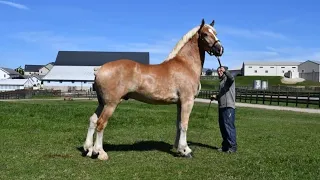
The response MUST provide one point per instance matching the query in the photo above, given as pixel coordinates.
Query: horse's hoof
(94, 154)
(189, 155)
(84, 153)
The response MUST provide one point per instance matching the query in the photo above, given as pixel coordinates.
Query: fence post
(271, 97)
(240, 94)
(319, 99)
(245, 98)
(257, 97)
(278, 97)
(287, 98)
(308, 99)
(297, 95)
(251, 95)
(263, 97)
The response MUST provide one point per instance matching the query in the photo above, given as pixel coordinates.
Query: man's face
(220, 72)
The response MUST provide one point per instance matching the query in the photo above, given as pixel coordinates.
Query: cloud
(158, 49)
(235, 58)
(248, 33)
(15, 5)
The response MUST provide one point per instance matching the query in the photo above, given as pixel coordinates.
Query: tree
(208, 72)
(20, 70)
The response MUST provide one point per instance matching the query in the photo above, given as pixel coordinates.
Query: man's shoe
(222, 149)
(226, 150)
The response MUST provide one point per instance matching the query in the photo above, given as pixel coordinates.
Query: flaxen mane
(182, 42)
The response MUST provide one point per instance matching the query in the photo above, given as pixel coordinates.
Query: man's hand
(222, 69)
(213, 97)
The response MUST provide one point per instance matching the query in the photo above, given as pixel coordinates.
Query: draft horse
(174, 81)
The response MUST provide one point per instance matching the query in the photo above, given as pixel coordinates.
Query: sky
(33, 31)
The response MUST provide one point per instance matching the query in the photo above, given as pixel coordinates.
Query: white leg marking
(88, 145)
(98, 147)
(185, 114)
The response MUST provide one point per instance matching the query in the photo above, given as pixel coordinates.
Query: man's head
(220, 71)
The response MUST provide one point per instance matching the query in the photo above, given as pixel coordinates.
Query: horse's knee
(100, 124)
(93, 120)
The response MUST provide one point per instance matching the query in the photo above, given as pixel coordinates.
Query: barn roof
(10, 71)
(32, 68)
(97, 58)
(69, 73)
(272, 63)
(13, 81)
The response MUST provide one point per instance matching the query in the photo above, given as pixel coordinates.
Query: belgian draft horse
(174, 81)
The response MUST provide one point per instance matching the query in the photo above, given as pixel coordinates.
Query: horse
(174, 81)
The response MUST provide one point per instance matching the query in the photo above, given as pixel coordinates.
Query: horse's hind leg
(88, 145)
(101, 124)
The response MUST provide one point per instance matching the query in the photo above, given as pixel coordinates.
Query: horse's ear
(212, 23)
(202, 24)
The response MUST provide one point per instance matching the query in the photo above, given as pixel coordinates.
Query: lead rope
(206, 117)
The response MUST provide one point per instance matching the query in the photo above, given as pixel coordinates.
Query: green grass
(40, 140)
(207, 84)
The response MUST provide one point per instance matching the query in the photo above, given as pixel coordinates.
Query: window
(250, 66)
(260, 67)
(293, 67)
(266, 71)
(4, 75)
(282, 67)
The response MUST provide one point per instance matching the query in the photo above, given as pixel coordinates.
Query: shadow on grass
(147, 146)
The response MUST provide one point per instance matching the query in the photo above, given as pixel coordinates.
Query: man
(226, 103)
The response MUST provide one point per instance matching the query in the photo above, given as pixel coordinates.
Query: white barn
(14, 84)
(7, 73)
(267, 68)
(74, 70)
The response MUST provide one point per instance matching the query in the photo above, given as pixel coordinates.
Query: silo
(256, 84)
(264, 85)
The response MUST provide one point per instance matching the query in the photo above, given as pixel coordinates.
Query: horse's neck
(193, 55)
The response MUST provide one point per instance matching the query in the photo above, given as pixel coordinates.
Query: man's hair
(225, 67)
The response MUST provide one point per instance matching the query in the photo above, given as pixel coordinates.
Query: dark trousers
(227, 128)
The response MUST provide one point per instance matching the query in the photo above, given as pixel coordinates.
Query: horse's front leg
(178, 126)
(186, 108)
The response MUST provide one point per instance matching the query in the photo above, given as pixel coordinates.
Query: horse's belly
(155, 98)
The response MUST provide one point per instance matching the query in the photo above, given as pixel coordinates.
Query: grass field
(41, 140)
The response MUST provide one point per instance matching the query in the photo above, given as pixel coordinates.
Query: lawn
(207, 84)
(41, 140)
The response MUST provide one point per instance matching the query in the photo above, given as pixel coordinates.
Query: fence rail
(269, 97)
(246, 95)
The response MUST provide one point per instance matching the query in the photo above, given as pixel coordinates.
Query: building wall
(309, 71)
(67, 85)
(15, 84)
(263, 70)
(3, 75)
(43, 71)
(10, 87)
(30, 73)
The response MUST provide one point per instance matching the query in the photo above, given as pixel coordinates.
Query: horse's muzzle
(216, 50)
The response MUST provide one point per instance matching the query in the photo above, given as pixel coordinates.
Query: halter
(210, 52)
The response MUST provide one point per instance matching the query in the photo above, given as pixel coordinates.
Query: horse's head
(208, 39)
